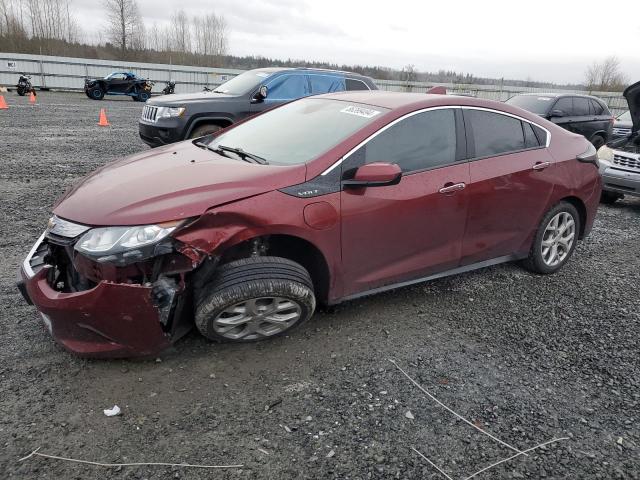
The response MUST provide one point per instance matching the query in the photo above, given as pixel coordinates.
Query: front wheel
(597, 141)
(202, 130)
(21, 91)
(254, 299)
(96, 93)
(555, 239)
(142, 96)
(609, 198)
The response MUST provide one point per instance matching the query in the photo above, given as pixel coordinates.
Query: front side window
(353, 84)
(421, 141)
(326, 84)
(244, 83)
(565, 105)
(300, 131)
(494, 134)
(288, 87)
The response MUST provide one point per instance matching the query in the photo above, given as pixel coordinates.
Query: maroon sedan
(319, 201)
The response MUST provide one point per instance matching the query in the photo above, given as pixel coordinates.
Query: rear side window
(530, 139)
(356, 85)
(425, 140)
(566, 105)
(289, 87)
(326, 84)
(580, 106)
(494, 134)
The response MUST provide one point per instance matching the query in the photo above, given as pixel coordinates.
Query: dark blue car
(172, 118)
(119, 83)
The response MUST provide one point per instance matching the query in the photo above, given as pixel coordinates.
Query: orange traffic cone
(103, 118)
(32, 98)
(3, 104)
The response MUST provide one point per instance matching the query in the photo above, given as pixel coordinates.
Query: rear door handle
(452, 187)
(541, 165)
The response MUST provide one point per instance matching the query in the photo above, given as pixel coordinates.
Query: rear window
(533, 103)
(495, 134)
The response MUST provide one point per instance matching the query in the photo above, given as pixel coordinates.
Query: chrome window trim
(423, 110)
(26, 266)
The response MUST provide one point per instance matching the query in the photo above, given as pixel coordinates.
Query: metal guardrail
(67, 73)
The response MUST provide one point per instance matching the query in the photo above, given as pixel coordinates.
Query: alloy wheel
(257, 318)
(558, 238)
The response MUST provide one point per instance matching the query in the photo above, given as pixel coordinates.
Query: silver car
(620, 158)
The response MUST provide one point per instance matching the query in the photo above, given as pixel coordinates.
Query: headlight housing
(169, 112)
(124, 245)
(606, 154)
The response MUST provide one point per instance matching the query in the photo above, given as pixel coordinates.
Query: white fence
(66, 73)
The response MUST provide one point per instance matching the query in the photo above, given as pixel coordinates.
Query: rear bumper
(621, 181)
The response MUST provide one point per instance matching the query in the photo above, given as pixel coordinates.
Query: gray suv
(620, 159)
(172, 118)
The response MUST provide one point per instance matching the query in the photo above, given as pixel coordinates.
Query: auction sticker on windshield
(360, 111)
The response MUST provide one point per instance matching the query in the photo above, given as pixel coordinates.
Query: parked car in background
(620, 159)
(119, 83)
(171, 119)
(321, 200)
(583, 114)
(622, 125)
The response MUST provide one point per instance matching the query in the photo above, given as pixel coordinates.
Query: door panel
(404, 231)
(507, 199)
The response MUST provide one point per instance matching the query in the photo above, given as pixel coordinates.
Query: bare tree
(210, 35)
(605, 76)
(123, 23)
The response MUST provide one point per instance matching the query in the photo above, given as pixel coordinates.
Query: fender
(194, 122)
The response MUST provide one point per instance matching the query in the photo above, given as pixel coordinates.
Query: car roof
(555, 95)
(308, 69)
(398, 100)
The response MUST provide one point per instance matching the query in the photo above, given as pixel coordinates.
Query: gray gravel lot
(527, 357)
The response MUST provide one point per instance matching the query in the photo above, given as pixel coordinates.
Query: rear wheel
(555, 239)
(609, 198)
(21, 91)
(253, 299)
(96, 93)
(142, 96)
(206, 129)
(598, 141)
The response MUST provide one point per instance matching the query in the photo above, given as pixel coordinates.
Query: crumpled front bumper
(110, 320)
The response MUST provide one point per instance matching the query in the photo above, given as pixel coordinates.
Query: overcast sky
(542, 40)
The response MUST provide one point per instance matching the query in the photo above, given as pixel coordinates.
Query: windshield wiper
(246, 156)
(221, 149)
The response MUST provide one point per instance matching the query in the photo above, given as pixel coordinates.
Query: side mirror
(375, 175)
(261, 94)
(556, 112)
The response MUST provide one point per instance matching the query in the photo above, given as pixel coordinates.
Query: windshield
(299, 131)
(533, 103)
(625, 117)
(244, 83)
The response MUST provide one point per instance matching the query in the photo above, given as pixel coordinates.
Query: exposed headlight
(605, 153)
(123, 245)
(168, 112)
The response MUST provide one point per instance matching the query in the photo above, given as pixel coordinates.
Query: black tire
(206, 129)
(21, 91)
(254, 279)
(535, 261)
(141, 97)
(597, 141)
(609, 198)
(95, 93)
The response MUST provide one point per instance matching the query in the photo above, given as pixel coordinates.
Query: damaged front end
(112, 291)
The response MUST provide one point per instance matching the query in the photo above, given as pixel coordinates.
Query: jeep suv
(242, 233)
(583, 114)
(172, 118)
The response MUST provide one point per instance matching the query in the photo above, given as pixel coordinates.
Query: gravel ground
(529, 358)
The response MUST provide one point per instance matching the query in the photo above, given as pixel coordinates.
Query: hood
(632, 94)
(168, 183)
(182, 98)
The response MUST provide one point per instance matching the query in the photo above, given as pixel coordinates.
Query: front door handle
(452, 187)
(541, 165)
